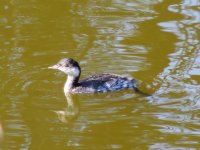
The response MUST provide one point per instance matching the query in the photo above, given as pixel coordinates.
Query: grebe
(94, 84)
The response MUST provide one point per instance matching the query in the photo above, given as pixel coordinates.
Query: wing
(104, 83)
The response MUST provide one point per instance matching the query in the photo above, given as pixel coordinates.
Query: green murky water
(156, 41)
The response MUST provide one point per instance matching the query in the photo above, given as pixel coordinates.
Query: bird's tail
(140, 92)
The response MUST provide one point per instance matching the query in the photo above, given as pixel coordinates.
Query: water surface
(156, 42)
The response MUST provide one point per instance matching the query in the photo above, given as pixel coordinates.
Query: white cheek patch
(70, 71)
(74, 72)
(63, 69)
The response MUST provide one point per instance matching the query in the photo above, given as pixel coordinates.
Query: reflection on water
(70, 112)
(183, 61)
(114, 24)
(155, 41)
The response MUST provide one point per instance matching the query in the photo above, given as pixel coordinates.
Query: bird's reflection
(71, 111)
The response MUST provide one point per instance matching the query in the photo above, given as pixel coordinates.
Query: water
(157, 42)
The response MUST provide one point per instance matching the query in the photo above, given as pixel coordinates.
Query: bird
(100, 83)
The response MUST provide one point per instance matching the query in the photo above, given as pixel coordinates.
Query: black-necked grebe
(93, 84)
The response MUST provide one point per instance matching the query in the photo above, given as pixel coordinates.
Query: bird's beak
(54, 67)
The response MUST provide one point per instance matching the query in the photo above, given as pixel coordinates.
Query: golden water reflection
(1, 133)
(157, 42)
